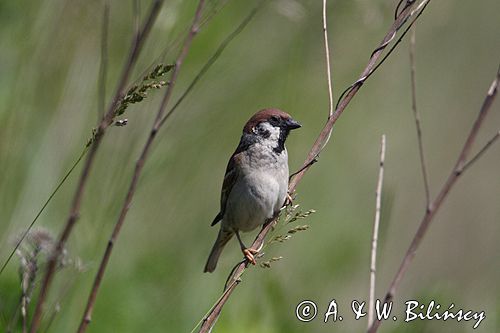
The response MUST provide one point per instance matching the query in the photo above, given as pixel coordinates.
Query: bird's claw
(249, 254)
(288, 199)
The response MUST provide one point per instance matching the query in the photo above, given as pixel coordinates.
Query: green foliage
(291, 214)
(48, 102)
(137, 93)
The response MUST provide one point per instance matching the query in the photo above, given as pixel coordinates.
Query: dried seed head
(37, 240)
(267, 264)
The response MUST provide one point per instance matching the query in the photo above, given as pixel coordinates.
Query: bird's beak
(292, 124)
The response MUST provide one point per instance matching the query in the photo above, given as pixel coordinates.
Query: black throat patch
(281, 140)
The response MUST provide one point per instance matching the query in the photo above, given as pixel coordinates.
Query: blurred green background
(49, 63)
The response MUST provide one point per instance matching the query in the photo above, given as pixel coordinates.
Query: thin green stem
(30, 226)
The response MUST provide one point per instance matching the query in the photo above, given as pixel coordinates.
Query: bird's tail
(222, 239)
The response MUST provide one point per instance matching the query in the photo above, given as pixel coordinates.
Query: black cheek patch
(265, 134)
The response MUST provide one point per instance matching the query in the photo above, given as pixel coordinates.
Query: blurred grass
(48, 105)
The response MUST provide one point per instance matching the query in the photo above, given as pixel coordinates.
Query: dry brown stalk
(137, 43)
(416, 116)
(460, 166)
(404, 15)
(87, 316)
(376, 223)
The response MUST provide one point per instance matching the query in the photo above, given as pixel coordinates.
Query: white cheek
(274, 134)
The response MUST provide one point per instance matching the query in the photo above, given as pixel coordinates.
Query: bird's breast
(259, 192)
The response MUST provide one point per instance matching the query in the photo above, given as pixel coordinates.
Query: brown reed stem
(376, 223)
(405, 14)
(137, 43)
(87, 316)
(416, 116)
(433, 208)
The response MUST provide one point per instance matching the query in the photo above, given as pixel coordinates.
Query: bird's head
(271, 126)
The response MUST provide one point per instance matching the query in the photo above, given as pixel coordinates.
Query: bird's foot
(288, 199)
(249, 254)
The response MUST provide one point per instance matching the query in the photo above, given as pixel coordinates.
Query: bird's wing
(232, 173)
(229, 181)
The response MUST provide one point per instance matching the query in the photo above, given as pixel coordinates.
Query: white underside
(260, 190)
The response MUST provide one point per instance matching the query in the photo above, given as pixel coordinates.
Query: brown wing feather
(229, 180)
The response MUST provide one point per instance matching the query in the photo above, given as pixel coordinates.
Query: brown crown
(264, 115)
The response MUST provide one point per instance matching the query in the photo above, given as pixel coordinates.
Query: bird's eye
(274, 119)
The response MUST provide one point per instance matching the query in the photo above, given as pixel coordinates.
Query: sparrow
(255, 185)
